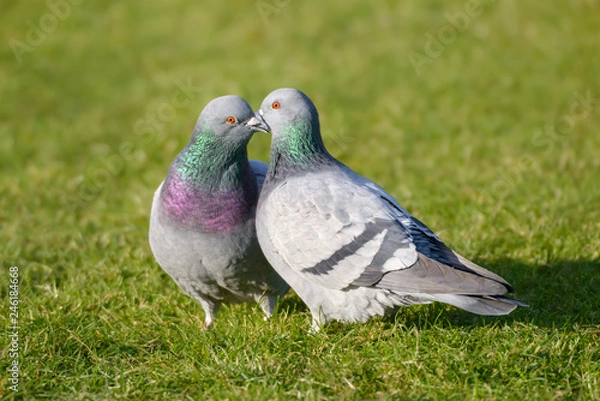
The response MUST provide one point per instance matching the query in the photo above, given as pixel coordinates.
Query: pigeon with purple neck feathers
(346, 246)
(202, 230)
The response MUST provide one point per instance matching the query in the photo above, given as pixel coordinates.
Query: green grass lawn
(481, 117)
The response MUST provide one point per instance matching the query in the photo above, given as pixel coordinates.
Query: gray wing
(427, 242)
(260, 172)
(339, 233)
(328, 230)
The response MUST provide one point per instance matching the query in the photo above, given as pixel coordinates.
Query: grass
(95, 109)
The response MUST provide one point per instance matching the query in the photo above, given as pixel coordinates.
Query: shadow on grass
(560, 294)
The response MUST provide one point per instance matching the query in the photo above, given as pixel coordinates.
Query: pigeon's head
(231, 119)
(287, 109)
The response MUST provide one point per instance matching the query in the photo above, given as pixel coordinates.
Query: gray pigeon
(346, 246)
(202, 229)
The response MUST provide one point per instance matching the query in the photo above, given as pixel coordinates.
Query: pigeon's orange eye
(275, 105)
(231, 120)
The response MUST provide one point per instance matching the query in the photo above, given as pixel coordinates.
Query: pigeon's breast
(211, 212)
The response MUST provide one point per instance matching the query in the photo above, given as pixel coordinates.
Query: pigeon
(202, 230)
(346, 246)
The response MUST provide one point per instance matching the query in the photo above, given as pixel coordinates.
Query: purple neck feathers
(210, 209)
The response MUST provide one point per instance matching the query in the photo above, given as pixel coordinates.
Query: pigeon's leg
(267, 304)
(315, 327)
(210, 306)
(318, 320)
(210, 311)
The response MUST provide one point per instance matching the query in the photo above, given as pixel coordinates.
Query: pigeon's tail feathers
(480, 305)
(483, 272)
(471, 291)
(429, 276)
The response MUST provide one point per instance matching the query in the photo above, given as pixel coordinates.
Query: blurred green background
(481, 117)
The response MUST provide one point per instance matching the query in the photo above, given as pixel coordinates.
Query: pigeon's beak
(258, 123)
